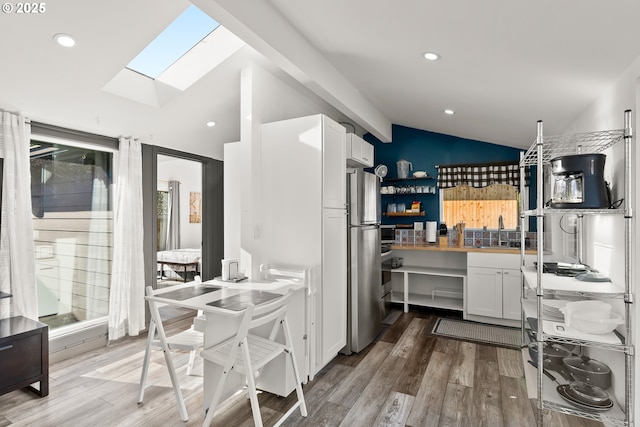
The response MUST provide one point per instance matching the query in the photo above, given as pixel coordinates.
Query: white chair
(247, 353)
(189, 340)
(301, 276)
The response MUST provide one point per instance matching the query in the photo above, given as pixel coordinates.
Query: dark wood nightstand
(24, 355)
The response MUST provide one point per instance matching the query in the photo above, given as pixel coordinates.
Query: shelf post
(628, 230)
(522, 242)
(540, 240)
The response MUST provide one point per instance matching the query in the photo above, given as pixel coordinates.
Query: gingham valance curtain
(480, 175)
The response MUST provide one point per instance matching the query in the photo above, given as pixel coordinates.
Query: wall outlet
(257, 231)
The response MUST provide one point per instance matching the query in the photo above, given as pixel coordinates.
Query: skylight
(185, 32)
(187, 50)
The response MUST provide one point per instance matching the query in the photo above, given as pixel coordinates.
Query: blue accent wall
(425, 150)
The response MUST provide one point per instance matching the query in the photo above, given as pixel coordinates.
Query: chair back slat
(296, 274)
(270, 311)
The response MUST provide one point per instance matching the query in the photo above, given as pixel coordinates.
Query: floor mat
(478, 332)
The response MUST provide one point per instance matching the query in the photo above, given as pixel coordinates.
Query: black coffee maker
(577, 182)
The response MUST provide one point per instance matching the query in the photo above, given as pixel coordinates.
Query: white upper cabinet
(359, 152)
(334, 176)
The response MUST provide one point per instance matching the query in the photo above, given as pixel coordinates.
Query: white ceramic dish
(419, 174)
(587, 323)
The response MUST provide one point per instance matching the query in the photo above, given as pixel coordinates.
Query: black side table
(24, 355)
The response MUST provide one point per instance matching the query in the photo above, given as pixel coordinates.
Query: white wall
(264, 99)
(605, 235)
(189, 174)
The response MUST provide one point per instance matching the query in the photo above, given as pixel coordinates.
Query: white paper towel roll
(431, 231)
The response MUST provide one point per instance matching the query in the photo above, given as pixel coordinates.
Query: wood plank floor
(406, 378)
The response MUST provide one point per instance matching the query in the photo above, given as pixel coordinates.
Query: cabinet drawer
(492, 260)
(20, 359)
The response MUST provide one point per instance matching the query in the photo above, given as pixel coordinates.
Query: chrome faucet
(500, 228)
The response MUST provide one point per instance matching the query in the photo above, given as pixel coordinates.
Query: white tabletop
(227, 289)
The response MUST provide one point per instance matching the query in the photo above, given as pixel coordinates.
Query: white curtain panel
(173, 219)
(17, 263)
(126, 297)
(97, 253)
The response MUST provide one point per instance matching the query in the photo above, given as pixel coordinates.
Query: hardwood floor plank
(516, 409)
(510, 368)
(487, 399)
(462, 371)
(444, 345)
(417, 361)
(349, 390)
(508, 353)
(407, 341)
(355, 358)
(372, 398)
(510, 362)
(427, 404)
(395, 410)
(457, 408)
(487, 353)
(395, 331)
(83, 413)
(329, 414)
(319, 391)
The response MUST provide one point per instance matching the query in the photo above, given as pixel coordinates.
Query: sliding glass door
(71, 189)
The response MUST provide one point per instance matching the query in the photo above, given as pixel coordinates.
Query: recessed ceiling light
(431, 56)
(64, 40)
(211, 124)
(450, 112)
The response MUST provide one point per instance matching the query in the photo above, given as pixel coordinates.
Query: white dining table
(222, 303)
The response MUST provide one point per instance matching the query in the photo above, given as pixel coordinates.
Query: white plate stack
(551, 308)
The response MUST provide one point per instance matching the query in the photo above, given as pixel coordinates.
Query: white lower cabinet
(511, 294)
(494, 292)
(333, 299)
(494, 288)
(484, 291)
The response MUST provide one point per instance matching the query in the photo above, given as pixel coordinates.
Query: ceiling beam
(262, 26)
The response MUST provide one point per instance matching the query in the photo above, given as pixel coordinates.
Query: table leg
(406, 291)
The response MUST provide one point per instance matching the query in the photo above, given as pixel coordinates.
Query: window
(178, 38)
(479, 207)
(478, 194)
(71, 188)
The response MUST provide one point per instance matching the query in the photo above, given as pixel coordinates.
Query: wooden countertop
(438, 248)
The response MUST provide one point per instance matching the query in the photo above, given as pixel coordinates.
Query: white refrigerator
(303, 221)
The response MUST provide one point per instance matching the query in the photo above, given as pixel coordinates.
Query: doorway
(179, 220)
(183, 211)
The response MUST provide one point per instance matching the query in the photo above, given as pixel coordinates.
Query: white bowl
(593, 308)
(419, 174)
(586, 323)
(591, 316)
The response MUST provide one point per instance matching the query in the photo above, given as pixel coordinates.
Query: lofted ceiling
(504, 64)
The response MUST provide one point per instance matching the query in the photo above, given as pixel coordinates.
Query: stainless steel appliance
(387, 233)
(385, 287)
(578, 182)
(364, 318)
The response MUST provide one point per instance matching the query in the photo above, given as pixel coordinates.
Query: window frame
(523, 196)
(76, 139)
